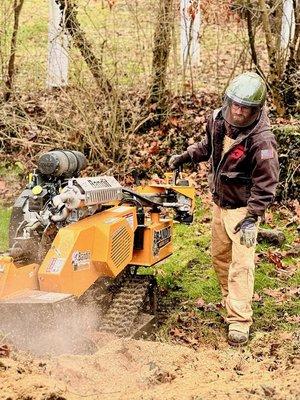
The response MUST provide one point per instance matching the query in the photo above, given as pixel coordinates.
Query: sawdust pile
(135, 369)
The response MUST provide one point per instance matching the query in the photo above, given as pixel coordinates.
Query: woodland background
(129, 104)
(131, 101)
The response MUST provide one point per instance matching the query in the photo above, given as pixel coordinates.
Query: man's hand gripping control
(175, 161)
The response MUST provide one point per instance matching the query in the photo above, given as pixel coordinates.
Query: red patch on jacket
(237, 152)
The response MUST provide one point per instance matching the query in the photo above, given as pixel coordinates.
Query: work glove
(174, 161)
(177, 160)
(247, 230)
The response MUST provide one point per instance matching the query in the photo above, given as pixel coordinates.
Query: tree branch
(268, 32)
(162, 44)
(18, 4)
(251, 37)
(68, 7)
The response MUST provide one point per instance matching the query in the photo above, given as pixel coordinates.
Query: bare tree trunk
(58, 48)
(251, 38)
(18, 4)
(296, 41)
(274, 60)
(291, 76)
(189, 32)
(161, 51)
(84, 46)
(288, 24)
(283, 79)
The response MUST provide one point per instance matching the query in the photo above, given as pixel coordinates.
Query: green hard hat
(247, 89)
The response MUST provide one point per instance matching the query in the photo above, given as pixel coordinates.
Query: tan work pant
(234, 265)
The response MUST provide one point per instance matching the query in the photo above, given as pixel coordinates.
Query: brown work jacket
(247, 174)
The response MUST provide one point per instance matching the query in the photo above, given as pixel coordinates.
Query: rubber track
(126, 306)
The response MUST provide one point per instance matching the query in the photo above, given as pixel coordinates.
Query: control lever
(176, 174)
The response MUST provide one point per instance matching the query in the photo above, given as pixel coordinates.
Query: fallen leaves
(4, 350)
(269, 391)
(182, 336)
(200, 119)
(256, 297)
(174, 121)
(192, 330)
(287, 272)
(202, 305)
(282, 294)
(268, 218)
(154, 148)
(282, 270)
(296, 206)
(162, 376)
(2, 185)
(275, 258)
(293, 319)
(9, 186)
(294, 251)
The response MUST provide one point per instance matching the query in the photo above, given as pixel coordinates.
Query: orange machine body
(157, 241)
(14, 280)
(101, 245)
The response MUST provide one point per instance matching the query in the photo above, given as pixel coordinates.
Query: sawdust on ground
(136, 369)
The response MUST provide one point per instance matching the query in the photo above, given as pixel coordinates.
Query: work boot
(236, 338)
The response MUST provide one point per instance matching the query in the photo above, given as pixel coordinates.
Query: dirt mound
(135, 369)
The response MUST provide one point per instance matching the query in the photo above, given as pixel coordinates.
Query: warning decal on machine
(55, 266)
(81, 259)
(161, 238)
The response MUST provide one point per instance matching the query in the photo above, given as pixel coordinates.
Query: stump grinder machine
(76, 244)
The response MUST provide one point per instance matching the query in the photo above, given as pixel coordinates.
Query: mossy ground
(187, 277)
(4, 220)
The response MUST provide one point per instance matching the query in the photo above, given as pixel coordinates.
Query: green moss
(264, 277)
(10, 170)
(4, 221)
(270, 315)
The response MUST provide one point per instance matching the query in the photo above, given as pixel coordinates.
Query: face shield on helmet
(244, 98)
(238, 115)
